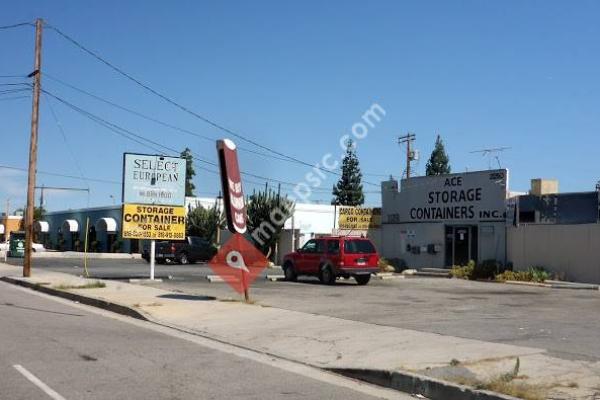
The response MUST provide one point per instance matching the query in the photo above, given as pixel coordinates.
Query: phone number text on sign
(153, 222)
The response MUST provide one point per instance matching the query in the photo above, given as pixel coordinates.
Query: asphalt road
(52, 350)
(565, 322)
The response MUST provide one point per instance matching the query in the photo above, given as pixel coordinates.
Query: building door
(461, 245)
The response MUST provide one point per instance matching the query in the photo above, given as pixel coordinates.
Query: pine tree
(439, 163)
(349, 190)
(189, 172)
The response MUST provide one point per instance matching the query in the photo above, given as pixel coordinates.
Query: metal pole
(6, 229)
(36, 74)
(152, 258)
(85, 247)
(408, 158)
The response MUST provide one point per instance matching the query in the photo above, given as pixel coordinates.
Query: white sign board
(153, 179)
(471, 196)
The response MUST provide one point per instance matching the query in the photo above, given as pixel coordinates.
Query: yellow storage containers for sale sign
(359, 218)
(153, 222)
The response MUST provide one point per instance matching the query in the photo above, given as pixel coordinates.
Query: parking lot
(563, 321)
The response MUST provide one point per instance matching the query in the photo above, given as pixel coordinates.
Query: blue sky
(295, 76)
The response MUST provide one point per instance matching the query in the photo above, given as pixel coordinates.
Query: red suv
(332, 256)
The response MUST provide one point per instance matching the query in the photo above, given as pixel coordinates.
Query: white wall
(572, 251)
(396, 237)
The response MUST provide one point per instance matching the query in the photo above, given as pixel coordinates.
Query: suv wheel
(362, 279)
(183, 259)
(326, 275)
(289, 272)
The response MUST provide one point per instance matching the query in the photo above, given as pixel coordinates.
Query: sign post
(235, 209)
(152, 258)
(153, 199)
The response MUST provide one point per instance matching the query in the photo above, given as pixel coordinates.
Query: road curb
(430, 388)
(103, 304)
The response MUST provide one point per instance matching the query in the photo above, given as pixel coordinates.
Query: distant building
(557, 231)
(10, 223)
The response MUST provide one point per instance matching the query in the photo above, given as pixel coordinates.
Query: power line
(166, 124)
(14, 98)
(152, 119)
(182, 107)
(64, 136)
(112, 127)
(60, 175)
(140, 140)
(16, 25)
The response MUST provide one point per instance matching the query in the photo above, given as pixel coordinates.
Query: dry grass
(510, 383)
(155, 304)
(230, 300)
(91, 285)
(521, 390)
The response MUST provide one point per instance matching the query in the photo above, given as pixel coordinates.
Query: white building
(440, 221)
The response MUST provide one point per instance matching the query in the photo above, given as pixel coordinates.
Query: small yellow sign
(153, 222)
(359, 218)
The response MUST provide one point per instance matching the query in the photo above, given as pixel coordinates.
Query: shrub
(116, 246)
(486, 270)
(534, 274)
(384, 265)
(398, 264)
(463, 272)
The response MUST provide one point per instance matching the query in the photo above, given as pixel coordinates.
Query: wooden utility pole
(35, 111)
(408, 138)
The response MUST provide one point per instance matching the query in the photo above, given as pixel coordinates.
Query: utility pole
(6, 228)
(408, 138)
(35, 111)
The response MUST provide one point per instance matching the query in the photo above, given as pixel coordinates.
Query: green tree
(189, 172)
(349, 190)
(38, 213)
(439, 163)
(267, 212)
(203, 222)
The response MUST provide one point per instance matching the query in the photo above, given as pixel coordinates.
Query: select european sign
(153, 179)
(153, 222)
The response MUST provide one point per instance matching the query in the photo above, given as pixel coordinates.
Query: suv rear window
(358, 247)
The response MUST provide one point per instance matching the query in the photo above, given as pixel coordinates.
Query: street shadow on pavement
(186, 297)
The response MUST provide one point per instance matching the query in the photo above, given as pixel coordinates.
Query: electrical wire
(60, 175)
(166, 124)
(16, 25)
(67, 144)
(14, 98)
(182, 107)
(152, 119)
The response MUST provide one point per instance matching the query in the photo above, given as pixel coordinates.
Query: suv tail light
(172, 248)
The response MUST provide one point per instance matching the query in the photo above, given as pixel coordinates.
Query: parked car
(331, 257)
(190, 250)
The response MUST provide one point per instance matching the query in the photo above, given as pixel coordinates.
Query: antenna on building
(411, 155)
(492, 153)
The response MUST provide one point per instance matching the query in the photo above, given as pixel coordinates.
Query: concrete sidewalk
(328, 342)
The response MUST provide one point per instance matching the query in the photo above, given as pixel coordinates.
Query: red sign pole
(233, 196)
